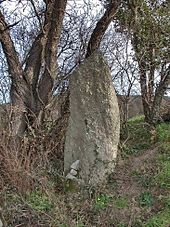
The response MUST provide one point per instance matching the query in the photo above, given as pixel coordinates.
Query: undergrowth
(32, 191)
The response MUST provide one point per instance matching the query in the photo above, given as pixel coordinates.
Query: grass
(162, 179)
(163, 132)
(102, 201)
(136, 133)
(146, 199)
(145, 180)
(164, 148)
(139, 140)
(161, 219)
(39, 201)
(135, 150)
(136, 195)
(121, 202)
(136, 120)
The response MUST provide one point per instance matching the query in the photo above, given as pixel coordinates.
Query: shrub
(22, 164)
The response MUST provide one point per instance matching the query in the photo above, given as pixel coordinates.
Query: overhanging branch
(101, 27)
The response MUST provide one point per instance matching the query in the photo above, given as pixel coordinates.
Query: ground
(136, 195)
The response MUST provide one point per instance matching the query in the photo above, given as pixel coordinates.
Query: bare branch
(37, 14)
(101, 27)
(9, 49)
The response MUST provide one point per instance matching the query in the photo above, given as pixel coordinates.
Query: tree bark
(101, 28)
(55, 16)
(20, 92)
(159, 93)
(31, 88)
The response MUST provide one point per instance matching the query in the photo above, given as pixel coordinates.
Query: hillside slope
(137, 194)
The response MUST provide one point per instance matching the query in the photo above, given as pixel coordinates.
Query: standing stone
(94, 124)
(1, 224)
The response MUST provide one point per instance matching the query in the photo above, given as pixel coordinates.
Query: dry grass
(31, 197)
(21, 163)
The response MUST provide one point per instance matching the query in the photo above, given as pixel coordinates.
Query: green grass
(163, 132)
(137, 223)
(137, 119)
(102, 201)
(146, 199)
(128, 150)
(121, 202)
(137, 135)
(149, 175)
(121, 225)
(162, 179)
(165, 148)
(161, 219)
(39, 201)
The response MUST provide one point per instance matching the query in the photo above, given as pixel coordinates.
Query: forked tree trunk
(29, 93)
(31, 88)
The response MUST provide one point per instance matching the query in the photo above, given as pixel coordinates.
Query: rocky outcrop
(93, 130)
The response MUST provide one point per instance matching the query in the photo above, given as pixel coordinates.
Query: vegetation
(38, 201)
(42, 42)
(140, 20)
(136, 195)
(146, 199)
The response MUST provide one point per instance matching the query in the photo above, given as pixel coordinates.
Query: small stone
(73, 172)
(70, 177)
(75, 165)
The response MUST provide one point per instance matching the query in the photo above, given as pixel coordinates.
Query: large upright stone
(93, 131)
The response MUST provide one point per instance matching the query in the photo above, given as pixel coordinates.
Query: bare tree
(32, 79)
(123, 66)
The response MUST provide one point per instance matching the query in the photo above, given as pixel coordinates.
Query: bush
(22, 164)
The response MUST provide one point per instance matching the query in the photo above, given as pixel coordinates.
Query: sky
(21, 10)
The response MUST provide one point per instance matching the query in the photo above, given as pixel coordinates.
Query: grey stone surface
(94, 123)
(1, 224)
(75, 165)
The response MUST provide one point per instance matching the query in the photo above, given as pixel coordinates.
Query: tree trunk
(32, 89)
(20, 92)
(101, 28)
(159, 93)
